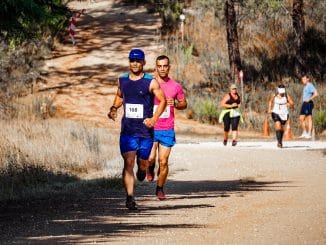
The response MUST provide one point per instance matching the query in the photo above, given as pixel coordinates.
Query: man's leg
(128, 172)
(163, 158)
(146, 145)
(151, 162)
(142, 168)
(309, 122)
(303, 125)
(129, 178)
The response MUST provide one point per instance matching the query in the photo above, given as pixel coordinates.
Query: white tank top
(280, 105)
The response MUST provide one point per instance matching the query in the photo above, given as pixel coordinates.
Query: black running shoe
(279, 145)
(130, 203)
(141, 174)
(225, 142)
(234, 142)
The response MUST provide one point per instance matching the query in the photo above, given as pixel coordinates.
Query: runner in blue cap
(136, 92)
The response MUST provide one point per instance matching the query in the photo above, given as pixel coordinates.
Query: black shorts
(276, 118)
(306, 108)
(233, 122)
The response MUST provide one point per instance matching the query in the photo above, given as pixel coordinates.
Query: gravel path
(216, 195)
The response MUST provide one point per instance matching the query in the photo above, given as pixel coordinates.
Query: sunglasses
(135, 60)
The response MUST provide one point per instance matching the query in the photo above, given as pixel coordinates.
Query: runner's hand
(149, 122)
(112, 114)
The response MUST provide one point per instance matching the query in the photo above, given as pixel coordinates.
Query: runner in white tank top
(280, 112)
(281, 107)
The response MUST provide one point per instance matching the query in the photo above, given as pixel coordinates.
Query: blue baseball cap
(137, 54)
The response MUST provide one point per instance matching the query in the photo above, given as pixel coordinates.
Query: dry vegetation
(37, 153)
(201, 62)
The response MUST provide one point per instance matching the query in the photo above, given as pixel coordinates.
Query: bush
(207, 111)
(320, 121)
(27, 19)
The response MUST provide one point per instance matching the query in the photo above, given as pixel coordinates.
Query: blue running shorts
(165, 137)
(306, 108)
(142, 146)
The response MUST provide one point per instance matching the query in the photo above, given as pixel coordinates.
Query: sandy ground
(253, 193)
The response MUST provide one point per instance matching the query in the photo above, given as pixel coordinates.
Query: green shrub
(207, 111)
(28, 19)
(320, 121)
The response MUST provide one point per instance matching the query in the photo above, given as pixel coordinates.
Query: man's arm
(180, 104)
(314, 95)
(158, 92)
(117, 102)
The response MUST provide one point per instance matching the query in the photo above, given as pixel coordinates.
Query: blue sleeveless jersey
(138, 104)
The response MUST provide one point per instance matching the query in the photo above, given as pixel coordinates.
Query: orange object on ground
(288, 131)
(265, 131)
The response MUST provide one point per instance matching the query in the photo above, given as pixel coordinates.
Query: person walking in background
(72, 25)
(164, 135)
(309, 93)
(136, 91)
(278, 106)
(230, 114)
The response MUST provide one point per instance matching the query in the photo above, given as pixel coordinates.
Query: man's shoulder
(148, 76)
(175, 83)
(311, 86)
(125, 75)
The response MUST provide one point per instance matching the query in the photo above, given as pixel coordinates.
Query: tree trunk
(298, 31)
(232, 38)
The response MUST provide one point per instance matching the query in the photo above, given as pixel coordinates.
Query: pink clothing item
(171, 89)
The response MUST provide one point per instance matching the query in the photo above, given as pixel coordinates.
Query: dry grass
(59, 145)
(37, 154)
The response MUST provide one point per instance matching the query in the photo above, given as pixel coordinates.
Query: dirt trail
(82, 77)
(216, 194)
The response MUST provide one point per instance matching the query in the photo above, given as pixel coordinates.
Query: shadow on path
(100, 214)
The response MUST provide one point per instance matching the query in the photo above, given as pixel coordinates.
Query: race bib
(134, 111)
(166, 112)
